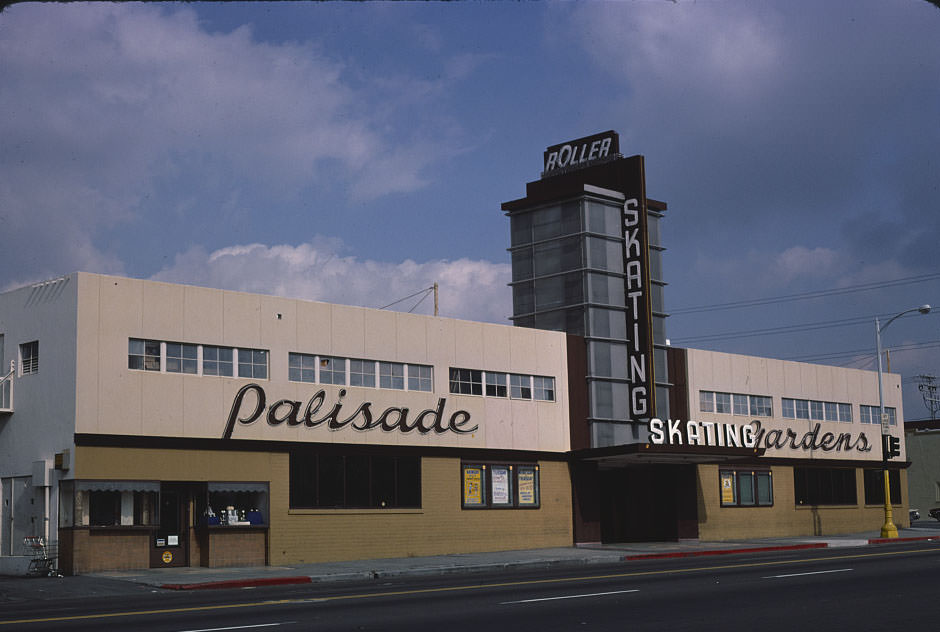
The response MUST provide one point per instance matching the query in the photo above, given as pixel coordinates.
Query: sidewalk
(242, 577)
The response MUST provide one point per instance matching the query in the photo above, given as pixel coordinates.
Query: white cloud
(114, 111)
(469, 289)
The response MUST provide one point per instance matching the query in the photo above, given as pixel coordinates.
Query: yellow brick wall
(784, 518)
(441, 526)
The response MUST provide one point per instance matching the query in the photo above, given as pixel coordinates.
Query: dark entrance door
(169, 543)
(648, 503)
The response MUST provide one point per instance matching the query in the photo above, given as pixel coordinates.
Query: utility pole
(928, 388)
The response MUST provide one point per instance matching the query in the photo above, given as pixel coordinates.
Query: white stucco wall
(749, 375)
(112, 399)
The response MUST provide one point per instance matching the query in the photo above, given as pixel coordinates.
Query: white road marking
(238, 627)
(615, 592)
(838, 570)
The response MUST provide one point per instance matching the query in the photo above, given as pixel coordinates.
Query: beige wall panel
(381, 336)
(314, 328)
(523, 350)
(411, 337)
(792, 379)
(241, 314)
(173, 465)
(163, 311)
(551, 435)
(120, 306)
(204, 406)
(441, 344)
(87, 350)
(162, 404)
(526, 433)
(756, 376)
(120, 403)
(349, 331)
(722, 372)
(496, 348)
(202, 315)
(278, 334)
(468, 343)
(499, 425)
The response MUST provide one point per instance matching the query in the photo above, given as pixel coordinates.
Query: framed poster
(500, 484)
(527, 485)
(473, 481)
(728, 496)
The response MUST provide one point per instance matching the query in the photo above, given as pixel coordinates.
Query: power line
(849, 289)
(784, 329)
(867, 352)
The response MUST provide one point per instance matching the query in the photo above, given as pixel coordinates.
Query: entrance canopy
(645, 453)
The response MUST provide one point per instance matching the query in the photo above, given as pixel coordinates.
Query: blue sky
(358, 152)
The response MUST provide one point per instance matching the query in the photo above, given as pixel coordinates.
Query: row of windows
(735, 404)
(872, 415)
(815, 410)
(739, 487)
(354, 481)
(762, 406)
(177, 357)
(303, 367)
(516, 386)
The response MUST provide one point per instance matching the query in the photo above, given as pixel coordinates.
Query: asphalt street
(858, 588)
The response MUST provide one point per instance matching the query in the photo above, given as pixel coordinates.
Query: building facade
(154, 424)
(148, 424)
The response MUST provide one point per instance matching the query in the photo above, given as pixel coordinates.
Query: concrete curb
(240, 583)
(924, 538)
(759, 549)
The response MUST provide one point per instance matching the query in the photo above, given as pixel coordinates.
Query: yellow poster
(527, 486)
(473, 486)
(727, 488)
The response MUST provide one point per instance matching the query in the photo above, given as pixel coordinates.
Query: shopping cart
(42, 556)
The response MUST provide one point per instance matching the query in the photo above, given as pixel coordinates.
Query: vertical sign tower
(587, 259)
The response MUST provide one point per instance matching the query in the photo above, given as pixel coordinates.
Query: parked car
(935, 513)
(915, 514)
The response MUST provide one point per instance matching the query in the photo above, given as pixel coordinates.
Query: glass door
(169, 543)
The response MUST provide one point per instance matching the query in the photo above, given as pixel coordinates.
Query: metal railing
(6, 391)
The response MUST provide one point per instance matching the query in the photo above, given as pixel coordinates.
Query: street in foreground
(858, 589)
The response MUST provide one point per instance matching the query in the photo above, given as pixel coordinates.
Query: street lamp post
(888, 530)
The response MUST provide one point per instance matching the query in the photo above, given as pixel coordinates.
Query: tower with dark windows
(587, 260)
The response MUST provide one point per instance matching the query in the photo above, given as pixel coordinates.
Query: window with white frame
(362, 373)
(735, 403)
(816, 410)
(520, 386)
(496, 385)
(29, 358)
(301, 367)
(419, 377)
(143, 354)
(466, 381)
(872, 414)
(218, 361)
(332, 370)
(543, 388)
(253, 363)
(392, 375)
(181, 358)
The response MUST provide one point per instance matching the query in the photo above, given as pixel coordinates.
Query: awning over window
(117, 486)
(238, 487)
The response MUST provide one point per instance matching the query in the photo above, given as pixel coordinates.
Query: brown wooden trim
(254, 445)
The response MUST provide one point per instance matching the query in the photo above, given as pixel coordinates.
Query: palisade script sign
(295, 413)
(717, 434)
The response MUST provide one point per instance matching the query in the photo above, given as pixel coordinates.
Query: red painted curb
(240, 583)
(762, 549)
(890, 540)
